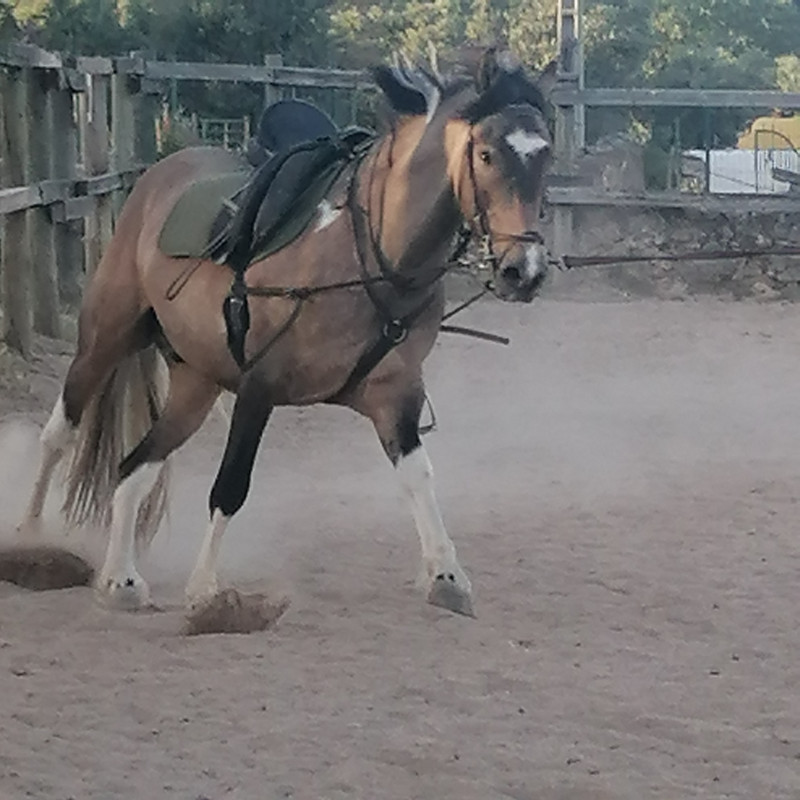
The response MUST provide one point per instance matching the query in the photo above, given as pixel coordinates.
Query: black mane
(506, 89)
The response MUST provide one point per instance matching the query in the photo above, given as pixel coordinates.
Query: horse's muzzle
(521, 273)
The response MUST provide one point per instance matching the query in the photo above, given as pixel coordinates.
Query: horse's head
(497, 147)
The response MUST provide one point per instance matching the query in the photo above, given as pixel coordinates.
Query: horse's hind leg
(251, 412)
(191, 396)
(395, 411)
(55, 440)
(96, 356)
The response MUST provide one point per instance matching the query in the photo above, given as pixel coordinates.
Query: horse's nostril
(512, 274)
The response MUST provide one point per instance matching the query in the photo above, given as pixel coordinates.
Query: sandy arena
(622, 486)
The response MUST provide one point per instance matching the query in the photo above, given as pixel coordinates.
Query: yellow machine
(772, 133)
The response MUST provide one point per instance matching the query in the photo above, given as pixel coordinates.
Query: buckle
(395, 331)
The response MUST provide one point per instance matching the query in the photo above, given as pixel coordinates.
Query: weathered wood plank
(17, 54)
(256, 73)
(74, 209)
(18, 198)
(15, 272)
(44, 277)
(321, 78)
(184, 70)
(64, 148)
(95, 65)
(123, 129)
(95, 144)
(710, 98)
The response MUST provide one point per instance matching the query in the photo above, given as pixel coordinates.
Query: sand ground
(621, 484)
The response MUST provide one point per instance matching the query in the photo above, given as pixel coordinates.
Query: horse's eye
(486, 157)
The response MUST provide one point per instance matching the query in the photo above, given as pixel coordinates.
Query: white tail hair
(115, 420)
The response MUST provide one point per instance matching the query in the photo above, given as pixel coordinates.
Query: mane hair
(497, 82)
(507, 88)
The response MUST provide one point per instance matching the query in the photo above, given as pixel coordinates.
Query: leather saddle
(297, 156)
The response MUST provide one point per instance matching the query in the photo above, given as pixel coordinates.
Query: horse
(359, 311)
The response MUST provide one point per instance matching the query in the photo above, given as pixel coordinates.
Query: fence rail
(77, 132)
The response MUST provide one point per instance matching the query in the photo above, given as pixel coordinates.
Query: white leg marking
(526, 144)
(55, 439)
(327, 215)
(119, 580)
(203, 580)
(438, 551)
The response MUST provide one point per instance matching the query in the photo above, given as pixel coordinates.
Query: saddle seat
(242, 216)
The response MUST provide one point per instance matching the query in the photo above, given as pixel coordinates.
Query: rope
(577, 262)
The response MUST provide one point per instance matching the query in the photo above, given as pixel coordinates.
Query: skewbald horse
(149, 366)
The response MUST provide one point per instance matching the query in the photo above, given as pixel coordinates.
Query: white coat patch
(327, 215)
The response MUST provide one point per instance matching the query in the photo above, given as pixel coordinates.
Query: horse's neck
(415, 211)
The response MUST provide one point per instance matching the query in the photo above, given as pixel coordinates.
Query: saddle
(297, 155)
(244, 216)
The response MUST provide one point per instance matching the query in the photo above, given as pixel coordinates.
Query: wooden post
(123, 126)
(272, 93)
(147, 101)
(95, 153)
(44, 275)
(570, 120)
(570, 128)
(15, 267)
(64, 144)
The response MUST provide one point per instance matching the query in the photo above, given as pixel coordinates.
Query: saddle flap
(186, 230)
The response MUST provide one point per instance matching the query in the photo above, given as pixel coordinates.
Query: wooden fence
(77, 132)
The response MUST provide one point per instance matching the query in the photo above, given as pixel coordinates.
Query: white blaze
(525, 144)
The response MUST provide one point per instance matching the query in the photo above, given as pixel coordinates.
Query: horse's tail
(114, 421)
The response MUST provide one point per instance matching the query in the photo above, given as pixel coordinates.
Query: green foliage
(366, 30)
(658, 43)
(788, 72)
(711, 44)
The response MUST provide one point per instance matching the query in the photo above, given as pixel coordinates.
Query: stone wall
(603, 231)
(607, 230)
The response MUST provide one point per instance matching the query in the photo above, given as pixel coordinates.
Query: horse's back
(161, 187)
(171, 175)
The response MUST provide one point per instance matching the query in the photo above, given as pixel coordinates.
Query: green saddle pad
(188, 226)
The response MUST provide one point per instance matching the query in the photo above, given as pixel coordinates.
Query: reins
(575, 262)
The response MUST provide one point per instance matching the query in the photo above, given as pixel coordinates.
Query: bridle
(480, 219)
(395, 328)
(394, 325)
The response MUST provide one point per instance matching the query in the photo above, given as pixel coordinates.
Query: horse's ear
(488, 69)
(548, 78)
(409, 91)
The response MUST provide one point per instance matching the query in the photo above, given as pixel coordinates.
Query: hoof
(445, 592)
(200, 595)
(229, 611)
(129, 593)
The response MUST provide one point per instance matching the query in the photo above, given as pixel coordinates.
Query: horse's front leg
(251, 412)
(396, 418)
